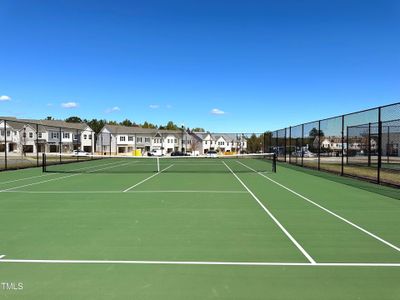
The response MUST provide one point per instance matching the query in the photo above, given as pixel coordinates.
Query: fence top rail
(343, 115)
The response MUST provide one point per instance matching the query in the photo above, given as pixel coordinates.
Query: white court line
(308, 256)
(58, 178)
(134, 191)
(325, 209)
(209, 263)
(1, 256)
(144, 180)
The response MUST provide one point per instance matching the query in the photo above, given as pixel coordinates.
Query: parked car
(155, 152)
(212, 153)
(178, 153)
(79, 153)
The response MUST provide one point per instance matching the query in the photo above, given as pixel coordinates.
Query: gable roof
(44, 124)
(119, 129)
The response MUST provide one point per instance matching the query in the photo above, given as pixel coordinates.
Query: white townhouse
(119, 139)
(221, 142)
(204, 141)
(355, 143)
(25, 137)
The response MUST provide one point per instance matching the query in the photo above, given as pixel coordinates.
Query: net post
(44, 163)
(274, 163)
(158, 164)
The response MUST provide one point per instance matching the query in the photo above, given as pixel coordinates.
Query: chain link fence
(362, 144)
(23, 142)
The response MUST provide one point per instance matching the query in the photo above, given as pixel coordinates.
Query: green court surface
(201, 229)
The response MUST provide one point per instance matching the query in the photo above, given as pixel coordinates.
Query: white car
(79, 153)
(212, 153)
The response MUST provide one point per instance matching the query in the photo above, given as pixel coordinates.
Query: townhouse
(117, 139)
(25, 136)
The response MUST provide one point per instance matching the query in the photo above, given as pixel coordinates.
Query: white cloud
(154, 106)
(49, 104)
(216, 111)
(113, 109)
(4, 98)
(169, 106)
(69, 105)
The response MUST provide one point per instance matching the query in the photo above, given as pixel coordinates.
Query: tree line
(98, 124)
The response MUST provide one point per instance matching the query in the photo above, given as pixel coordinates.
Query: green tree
(127, 122)
(315, 132)
(314, 139)
(254, 143)
(95, 124)
(112, 123)
(73, 119)
(49, 118)
(148, 125)
(171, 126)
(198, 129)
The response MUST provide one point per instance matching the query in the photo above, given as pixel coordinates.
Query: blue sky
(223, 65)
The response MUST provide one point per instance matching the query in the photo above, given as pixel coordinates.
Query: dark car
(178, 153)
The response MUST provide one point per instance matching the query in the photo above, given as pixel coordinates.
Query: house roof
(119, 129)
(44, 124)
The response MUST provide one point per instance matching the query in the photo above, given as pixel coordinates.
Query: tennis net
(264, 162)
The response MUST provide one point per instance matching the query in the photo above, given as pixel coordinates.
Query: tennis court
(225, 228)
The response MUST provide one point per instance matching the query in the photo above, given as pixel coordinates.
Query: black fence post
(60, 142)
(369, 144)
(319, 145)
(110, 142)
(37, 145)
(5, 145)
(290, 144)
(388, 145)
(284, 146)
(379, 146)
(342, 169)
(302, 145)
(347, 145)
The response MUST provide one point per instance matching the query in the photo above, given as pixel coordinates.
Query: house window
(66, 135)
(24, 134)
(8, 132)
(31, 135)
(147, 140)
(139, 140)
(85, 136)
(130, 138)
(176, 141)
(76, 136)
(205, 142)
(122, 139)
(55, 135)
(40, 135)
